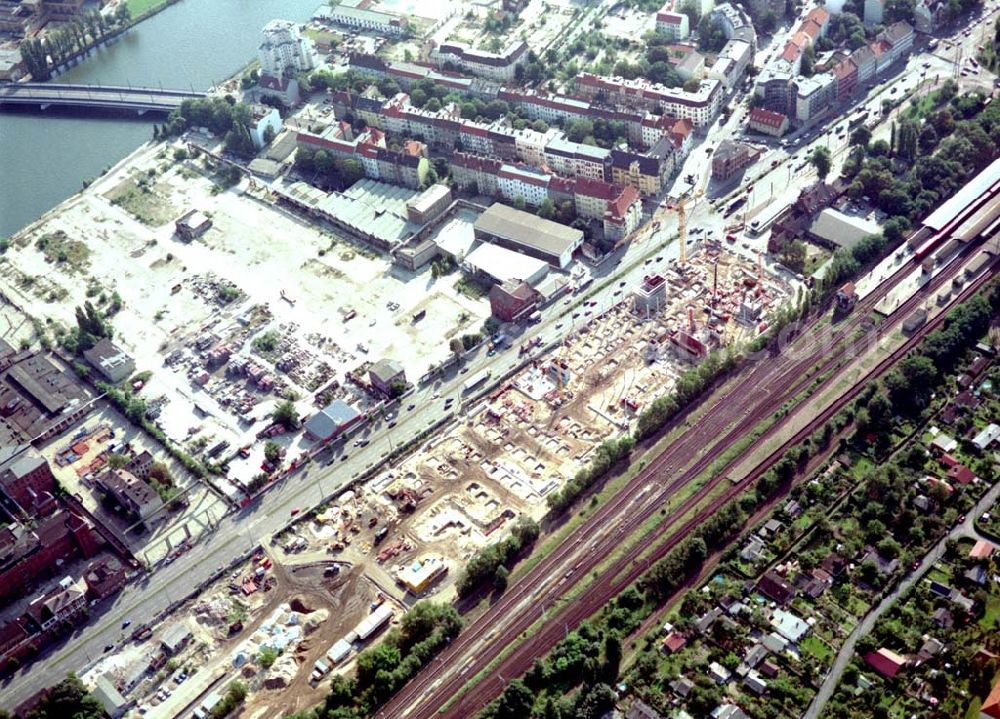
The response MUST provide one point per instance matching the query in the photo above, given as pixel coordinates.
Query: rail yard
(768, 385)
(511, 360)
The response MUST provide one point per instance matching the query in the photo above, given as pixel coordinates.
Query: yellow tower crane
(682, 258)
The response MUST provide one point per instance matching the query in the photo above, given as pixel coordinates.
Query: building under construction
(707, 300)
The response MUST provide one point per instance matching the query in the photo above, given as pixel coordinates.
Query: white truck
(477, 379)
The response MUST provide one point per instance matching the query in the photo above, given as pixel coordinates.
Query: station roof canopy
(973, 188)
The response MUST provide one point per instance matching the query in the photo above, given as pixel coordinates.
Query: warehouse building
(530, 235)
(429, 204)
(108, 359)
(501, 265)
(331, 421)
(835, 229)
(419, 575)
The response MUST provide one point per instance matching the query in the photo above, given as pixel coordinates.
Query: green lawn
(138, 7)
(816, 647)
(992, 612)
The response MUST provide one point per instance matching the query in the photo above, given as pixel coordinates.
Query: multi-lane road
(237, 533)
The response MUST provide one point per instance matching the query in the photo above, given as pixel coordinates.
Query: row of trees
(328, 170)
(608, 454)
(492, 562)
(43, 55)
(221, 115)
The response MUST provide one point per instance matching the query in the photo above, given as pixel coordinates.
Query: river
(193, 44)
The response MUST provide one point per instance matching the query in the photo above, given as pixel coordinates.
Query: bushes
(607, 455)
(236, 692)
(383, 669)
(487, 562)
(689, 387)
(135, 409)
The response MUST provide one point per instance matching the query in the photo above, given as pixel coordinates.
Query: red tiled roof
(961, 474)
(981, 550)
(565, 185)
(594, 188)
(766, 117)
(674, 642)
(791, 52)
(880, 47)
(810, 28)
(947, 460)
(991, 705)
(844, 68)
(621, 204)
(682, 128)
(270, 82)
(819, 15)
(885, 661)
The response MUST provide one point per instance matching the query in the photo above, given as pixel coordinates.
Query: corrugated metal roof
(955, 204)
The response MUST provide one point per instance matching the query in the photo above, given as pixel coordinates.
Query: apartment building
(499, 66)
(356, 15)
(674, 26)
(623, 214)
(701, 106)
(731, 63)
(845, 75)
(814, 96)
(476, 174)
(283, 51)
(768, 122)
(576, 159)
(525, 183)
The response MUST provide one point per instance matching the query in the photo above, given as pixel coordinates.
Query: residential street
(832, 679)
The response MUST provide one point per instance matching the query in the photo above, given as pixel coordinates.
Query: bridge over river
(94, 97)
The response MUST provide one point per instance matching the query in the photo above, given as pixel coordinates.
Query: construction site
(272, 624)
(218, 347)
(506, 453)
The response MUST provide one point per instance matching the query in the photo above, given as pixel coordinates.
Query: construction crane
(682, 224)
(682, 214)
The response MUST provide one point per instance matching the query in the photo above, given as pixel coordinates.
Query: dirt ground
(301, 302)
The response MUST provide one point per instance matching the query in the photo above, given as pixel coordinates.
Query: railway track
(756, 397)
(600, 594)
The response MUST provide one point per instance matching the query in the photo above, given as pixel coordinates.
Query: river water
(44, 158)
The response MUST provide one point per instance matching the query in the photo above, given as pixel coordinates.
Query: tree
(808, 61)
(238, 142)
(68, 698)
(267, 657)
(861, 136)
(820, 159)
(515, 702)
(350, 171)
(161, 473)
(500, 578)
(793, 255)
(272, 452)
(286, 415)
(547, 210)
(612, 657)
(91, 327)
(898, 10)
